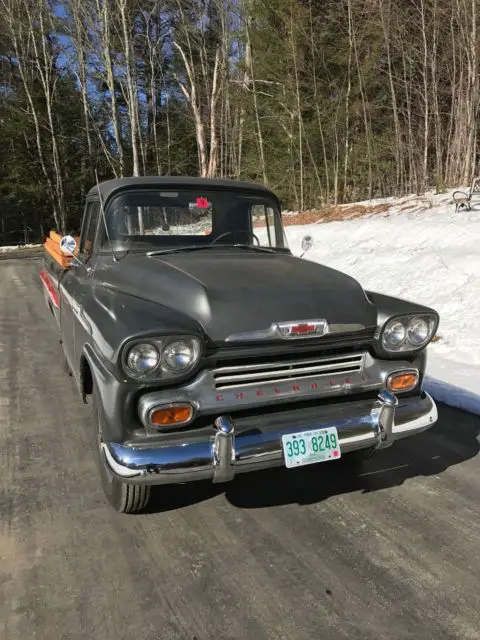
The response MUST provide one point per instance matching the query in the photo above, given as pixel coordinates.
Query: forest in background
(325, 101)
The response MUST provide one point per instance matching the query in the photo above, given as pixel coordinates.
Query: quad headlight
(180, 355)
(143, 359)
(408, 333)
(160, 358)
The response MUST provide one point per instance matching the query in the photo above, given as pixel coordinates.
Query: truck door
(73, 289)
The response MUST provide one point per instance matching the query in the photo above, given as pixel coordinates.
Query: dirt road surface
(392, 552)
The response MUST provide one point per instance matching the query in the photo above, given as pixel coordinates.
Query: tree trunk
(250, 66)
(396, 121)
(132, 101)
(105, 38)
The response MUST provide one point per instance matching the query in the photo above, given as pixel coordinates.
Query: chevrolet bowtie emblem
(302, 329)
(285, 331)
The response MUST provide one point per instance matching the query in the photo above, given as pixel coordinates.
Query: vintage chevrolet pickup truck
(206, 349)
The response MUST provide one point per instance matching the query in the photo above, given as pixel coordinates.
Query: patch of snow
(422, 251)
(454, 384)
(18, 246)
(200, 228)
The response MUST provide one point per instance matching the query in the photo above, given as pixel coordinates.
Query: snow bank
(17, 247)
(454, 384)
(419, 250)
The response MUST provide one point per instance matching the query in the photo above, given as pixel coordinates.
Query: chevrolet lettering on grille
(283, 389)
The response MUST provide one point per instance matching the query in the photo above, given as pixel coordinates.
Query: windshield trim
(248, 247)
(157, 242)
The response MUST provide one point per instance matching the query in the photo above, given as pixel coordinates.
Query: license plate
(308, 447)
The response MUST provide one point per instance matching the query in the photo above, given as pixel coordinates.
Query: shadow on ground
(452, 441)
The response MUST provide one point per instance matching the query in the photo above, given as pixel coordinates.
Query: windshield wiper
(162, 252)
(248, 247)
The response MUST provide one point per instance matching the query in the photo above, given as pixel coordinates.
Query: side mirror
(307, 244)
(68, 244)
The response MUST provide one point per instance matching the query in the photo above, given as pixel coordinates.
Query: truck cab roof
(109, 187)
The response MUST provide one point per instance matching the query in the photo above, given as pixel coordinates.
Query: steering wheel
(229, 233)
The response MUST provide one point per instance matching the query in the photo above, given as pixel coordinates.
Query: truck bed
(55, 263)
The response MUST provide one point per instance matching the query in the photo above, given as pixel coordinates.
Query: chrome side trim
(274, 331)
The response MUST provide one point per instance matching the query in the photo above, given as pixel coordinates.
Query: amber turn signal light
(171, 415)
(405, 381)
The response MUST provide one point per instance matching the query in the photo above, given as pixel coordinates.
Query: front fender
(388, 308)
(116, 399)
(116, 317)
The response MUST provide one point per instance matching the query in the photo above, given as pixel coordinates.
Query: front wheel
(123, 496)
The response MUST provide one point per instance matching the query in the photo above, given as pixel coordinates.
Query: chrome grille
(250, 374)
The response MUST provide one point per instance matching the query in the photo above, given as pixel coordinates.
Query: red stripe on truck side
(50, 288)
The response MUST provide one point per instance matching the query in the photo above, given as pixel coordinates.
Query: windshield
(155, 220)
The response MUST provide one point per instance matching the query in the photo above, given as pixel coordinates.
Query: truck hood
(234, 291)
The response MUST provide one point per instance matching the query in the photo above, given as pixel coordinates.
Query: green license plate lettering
(309, 447)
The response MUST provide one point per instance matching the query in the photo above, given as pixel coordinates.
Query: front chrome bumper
(227, 451)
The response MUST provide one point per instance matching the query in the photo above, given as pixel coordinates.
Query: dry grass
(331, 214)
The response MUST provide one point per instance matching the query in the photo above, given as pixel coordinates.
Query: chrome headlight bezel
(135, 349)
(161, 372)
(406, 345)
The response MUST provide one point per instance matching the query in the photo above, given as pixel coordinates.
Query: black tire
(123, 496)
